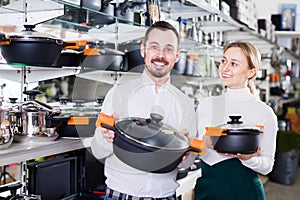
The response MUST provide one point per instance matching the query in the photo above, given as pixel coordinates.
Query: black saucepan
(149, 144)
(235, 137)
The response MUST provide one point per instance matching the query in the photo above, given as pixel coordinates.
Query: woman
(228, 176)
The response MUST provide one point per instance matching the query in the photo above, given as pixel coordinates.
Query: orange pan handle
(78, 121)
(91, 52)
(75, 44)
(197, 146)
(105, 121)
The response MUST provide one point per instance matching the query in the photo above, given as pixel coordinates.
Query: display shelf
(289, 34)
(35, 74)
(79, 22)
(23, 151)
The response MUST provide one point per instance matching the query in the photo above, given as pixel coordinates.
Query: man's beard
(159, 73)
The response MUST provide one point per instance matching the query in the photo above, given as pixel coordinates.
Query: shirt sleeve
(189, 119)
(263, 163)
(100, 147)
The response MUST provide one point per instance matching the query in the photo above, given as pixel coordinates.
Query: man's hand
(108, 134)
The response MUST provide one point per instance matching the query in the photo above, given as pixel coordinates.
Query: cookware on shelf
(6, 135)
(29, 120)
(235, 137)
(103, 59)
(69, 57)
(13, 193)
(31, 47)
(149, 144)
(77, 120)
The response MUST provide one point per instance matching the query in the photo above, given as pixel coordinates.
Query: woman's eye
(223, 61)
(233, 64)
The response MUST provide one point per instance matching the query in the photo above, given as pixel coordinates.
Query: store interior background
(274, 190)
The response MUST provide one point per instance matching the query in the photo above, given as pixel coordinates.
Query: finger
(115, 115)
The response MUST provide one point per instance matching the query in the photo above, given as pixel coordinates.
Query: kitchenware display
(77, 119)
(30, 120)
(6, 135)
(106, 18)
(149, 144)
(92, 4)
(31, 47)
(103, 59)
(14, 196)
(69, 57)
(180, 65)
(133, 60)
(235, 137)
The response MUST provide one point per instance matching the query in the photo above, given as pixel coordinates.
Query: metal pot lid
(152, 132)
(29, 32)
(78, 109)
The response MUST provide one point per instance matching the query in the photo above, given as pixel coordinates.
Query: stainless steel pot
(28, 120)
(6, 135)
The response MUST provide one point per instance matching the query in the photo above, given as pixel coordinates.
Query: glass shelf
(77, 23)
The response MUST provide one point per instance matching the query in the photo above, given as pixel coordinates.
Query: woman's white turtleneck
(254, 112)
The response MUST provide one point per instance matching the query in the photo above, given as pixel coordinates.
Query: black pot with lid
(149, 144)
(235, 137)
(30, 47)
(76, 119)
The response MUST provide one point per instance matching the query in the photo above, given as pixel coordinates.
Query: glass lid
(152, 132)
(29, 32)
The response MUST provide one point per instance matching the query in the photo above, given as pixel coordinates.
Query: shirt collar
(238, 94)
(149, 83)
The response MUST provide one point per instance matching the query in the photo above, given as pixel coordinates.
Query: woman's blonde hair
(253, 57)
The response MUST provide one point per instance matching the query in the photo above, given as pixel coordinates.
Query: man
(151, 92)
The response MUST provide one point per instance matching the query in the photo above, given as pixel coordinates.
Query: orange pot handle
(215, 131)
(198, 145)
(105, 119)
(78, 121)
(91, 52)
(261, 127)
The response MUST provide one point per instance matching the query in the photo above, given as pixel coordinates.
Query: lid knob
(32, 94)
(63, 100)
(13, 99)
(234, 120)
(156, 118)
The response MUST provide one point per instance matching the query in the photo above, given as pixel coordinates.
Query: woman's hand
(243, 156)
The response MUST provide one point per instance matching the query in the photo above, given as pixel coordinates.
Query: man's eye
(169, 50)
(153, 47)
